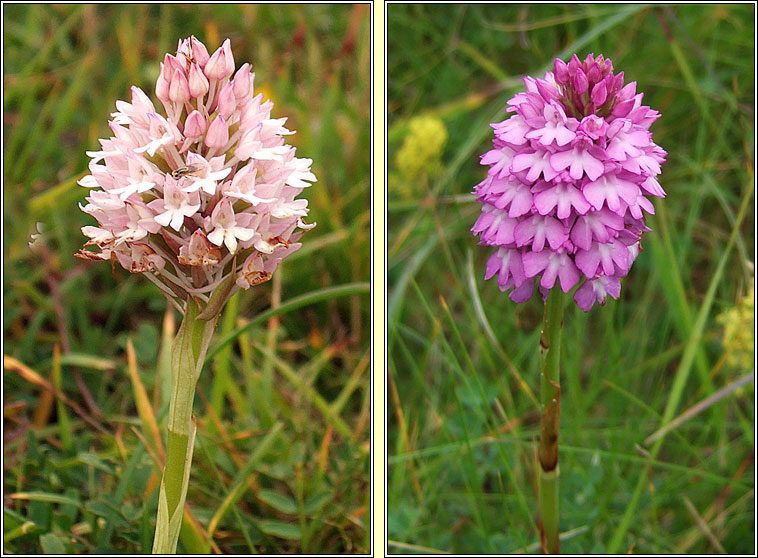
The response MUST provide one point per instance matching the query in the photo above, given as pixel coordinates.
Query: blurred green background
(281, 462)
(463, 358)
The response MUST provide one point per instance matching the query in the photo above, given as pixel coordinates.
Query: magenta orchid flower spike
(206, 190)
(201, 198)
(563, 204)
(568, 185)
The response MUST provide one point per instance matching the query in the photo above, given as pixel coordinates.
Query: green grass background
(282, 457)
(463, 358)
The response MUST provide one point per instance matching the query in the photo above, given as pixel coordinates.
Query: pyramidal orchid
(570, 178)
(569, 183)
(200, 195)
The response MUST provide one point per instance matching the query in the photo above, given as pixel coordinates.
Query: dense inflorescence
(202, 192)
(568, 183)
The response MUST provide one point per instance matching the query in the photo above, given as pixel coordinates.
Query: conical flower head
(195, 192)
(569, 180)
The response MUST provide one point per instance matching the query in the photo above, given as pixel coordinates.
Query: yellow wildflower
(422, 147)
(738, 331)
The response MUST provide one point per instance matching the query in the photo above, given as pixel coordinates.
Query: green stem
(187, 358)
(550, 396)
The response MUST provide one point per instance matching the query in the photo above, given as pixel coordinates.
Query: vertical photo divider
(378, 278)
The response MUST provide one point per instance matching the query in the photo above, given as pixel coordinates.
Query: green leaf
(51, 544)
(130, 512)
(192, 539)
(278, 501)
(46, 497)
(281, 529)
(315, 502)
(95, 461)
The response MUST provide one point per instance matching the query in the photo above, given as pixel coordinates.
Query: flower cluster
(568, 182)
(202, 192)
(422, 147)
(738, 342)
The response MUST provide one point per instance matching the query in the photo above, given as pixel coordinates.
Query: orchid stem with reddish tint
(563, 206)
(187, 358)
(550, 397)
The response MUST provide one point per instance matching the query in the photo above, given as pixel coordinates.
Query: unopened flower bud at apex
(560, 72)
(221, 63)
(566, 194)
(199, 52)
(178, 90)
(198, 83)
(580, 82)
(169, 195)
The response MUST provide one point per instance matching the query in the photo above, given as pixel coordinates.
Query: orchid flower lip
(567, 189)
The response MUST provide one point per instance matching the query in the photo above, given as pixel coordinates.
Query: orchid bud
(215, 67)
(574, 65)
(221, 63)
(198, 83)
(183, 51)
(593, 74)
(242, 81)
(560, 70)
(172, 64)
(194, 126)
(178, 90)
(609, 67)
(162, 85)
(599, 94)
(228, 57)
(199, 52)
(580, 82)
(218, 133)
(226, 101)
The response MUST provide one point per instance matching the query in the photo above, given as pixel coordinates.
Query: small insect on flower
(190, 58)
(189, 170)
